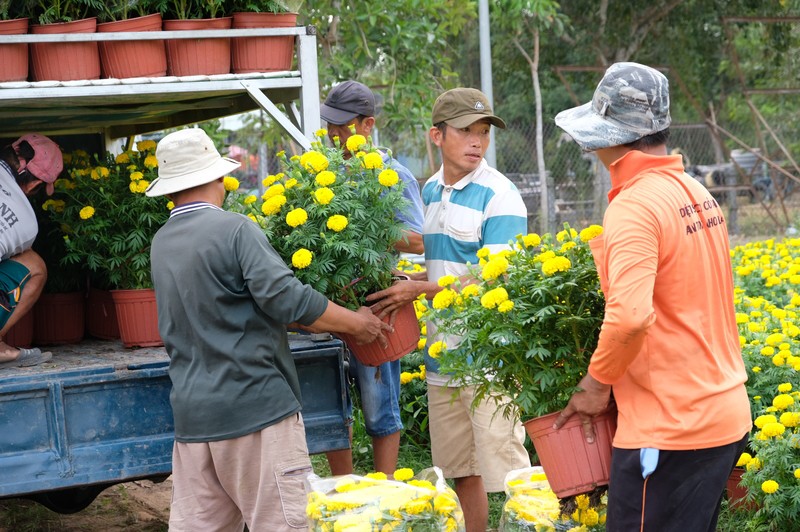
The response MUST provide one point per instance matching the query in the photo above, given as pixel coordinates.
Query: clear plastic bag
(422, 502)
(531, 506)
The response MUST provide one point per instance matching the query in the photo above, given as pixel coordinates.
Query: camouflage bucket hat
(631, 102)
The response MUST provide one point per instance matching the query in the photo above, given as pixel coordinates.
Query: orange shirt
(669, 344)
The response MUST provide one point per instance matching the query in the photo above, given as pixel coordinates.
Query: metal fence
(744, 167)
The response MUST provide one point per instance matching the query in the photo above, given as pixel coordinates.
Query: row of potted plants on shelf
(143, 58)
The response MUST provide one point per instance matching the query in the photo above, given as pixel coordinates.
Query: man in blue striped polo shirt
(468, 206)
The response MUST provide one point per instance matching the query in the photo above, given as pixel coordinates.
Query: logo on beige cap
(479, 106)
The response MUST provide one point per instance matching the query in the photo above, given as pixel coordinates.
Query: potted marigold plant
(332, 220)
(108, 225)
(527, 330)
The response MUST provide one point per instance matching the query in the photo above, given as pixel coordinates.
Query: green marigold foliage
(332, 219)
(106, 220)
(529, 326)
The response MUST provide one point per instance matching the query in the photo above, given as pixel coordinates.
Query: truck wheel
(70, 500)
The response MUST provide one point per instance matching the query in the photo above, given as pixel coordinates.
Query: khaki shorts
(257, 479)
(480, 443)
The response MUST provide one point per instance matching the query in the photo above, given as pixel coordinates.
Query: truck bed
(98, 414)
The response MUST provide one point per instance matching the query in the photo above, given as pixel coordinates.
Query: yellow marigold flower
(444, 299)
(756, 369)
(782, 401)
(151, 161)
(314, 161)
(531, 240)
(405, 377)
(122, 158)
(493, 269)
(404, 473)
(86, 213)
(337, 223)
(483, 253)
(273, 205)
(269, 180)
(252, 217)
(324, 195)
(591, 232)
(301, 258)
(505, 306)
(421, 343)
(582, 501)
(754, 464)
(422, 372)
(296, 217)
(778, 360)
(590, 517)
(771, 430)
(744, 459)
(230, 183)
(145, 145)
(767, 351)
(769, 486)
(763, 420)
(372, 160)
(136, 175)
(555, 265)
(567, 246)
(774, 339)
(250, 199)
(443, 504)
(388, 178)
(377, 475)
(470, 290)
(494, 297)
(274, 190)
(132, 187)
(434, 351)
(542, 257)
(354, 142)
(790, 419)
(321, 132)
(785, 387)
(797, 473)
(142, 185)
(325, 178)
(171, 205)
(564, 235)
(446, 280)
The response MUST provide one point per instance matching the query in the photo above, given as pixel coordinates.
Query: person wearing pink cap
(26, 164)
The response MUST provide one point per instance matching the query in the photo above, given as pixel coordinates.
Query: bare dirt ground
(141, 505)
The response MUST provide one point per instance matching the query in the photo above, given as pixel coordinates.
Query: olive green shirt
(224, 296)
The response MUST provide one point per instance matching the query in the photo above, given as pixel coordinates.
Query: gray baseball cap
(631, 102)
(346, 101)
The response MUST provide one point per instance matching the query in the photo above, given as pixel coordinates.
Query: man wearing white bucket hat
(669, 345)
(224, 297)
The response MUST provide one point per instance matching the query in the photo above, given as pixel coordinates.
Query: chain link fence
(744, 167)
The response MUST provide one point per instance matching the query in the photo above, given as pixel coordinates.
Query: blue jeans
(380, 399)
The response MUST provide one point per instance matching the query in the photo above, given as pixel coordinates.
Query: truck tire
(69, 500)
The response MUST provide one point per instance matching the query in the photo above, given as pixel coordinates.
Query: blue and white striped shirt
(483, 209)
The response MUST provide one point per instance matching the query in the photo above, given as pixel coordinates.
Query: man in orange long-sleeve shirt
(669, 345)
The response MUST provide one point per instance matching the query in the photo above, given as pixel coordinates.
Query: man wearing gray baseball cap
(669, 344)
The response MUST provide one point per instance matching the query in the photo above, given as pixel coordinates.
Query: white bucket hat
(187, 159)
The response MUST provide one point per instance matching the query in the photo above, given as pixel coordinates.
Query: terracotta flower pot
(737, 494)
(21, 334)
(133, 59)
(262, 54)
(65, 61)
(402, 341)
(101, 315)
(189, 57)
(14, 57)
(137, 317)
(572, 466)
(58, 319)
